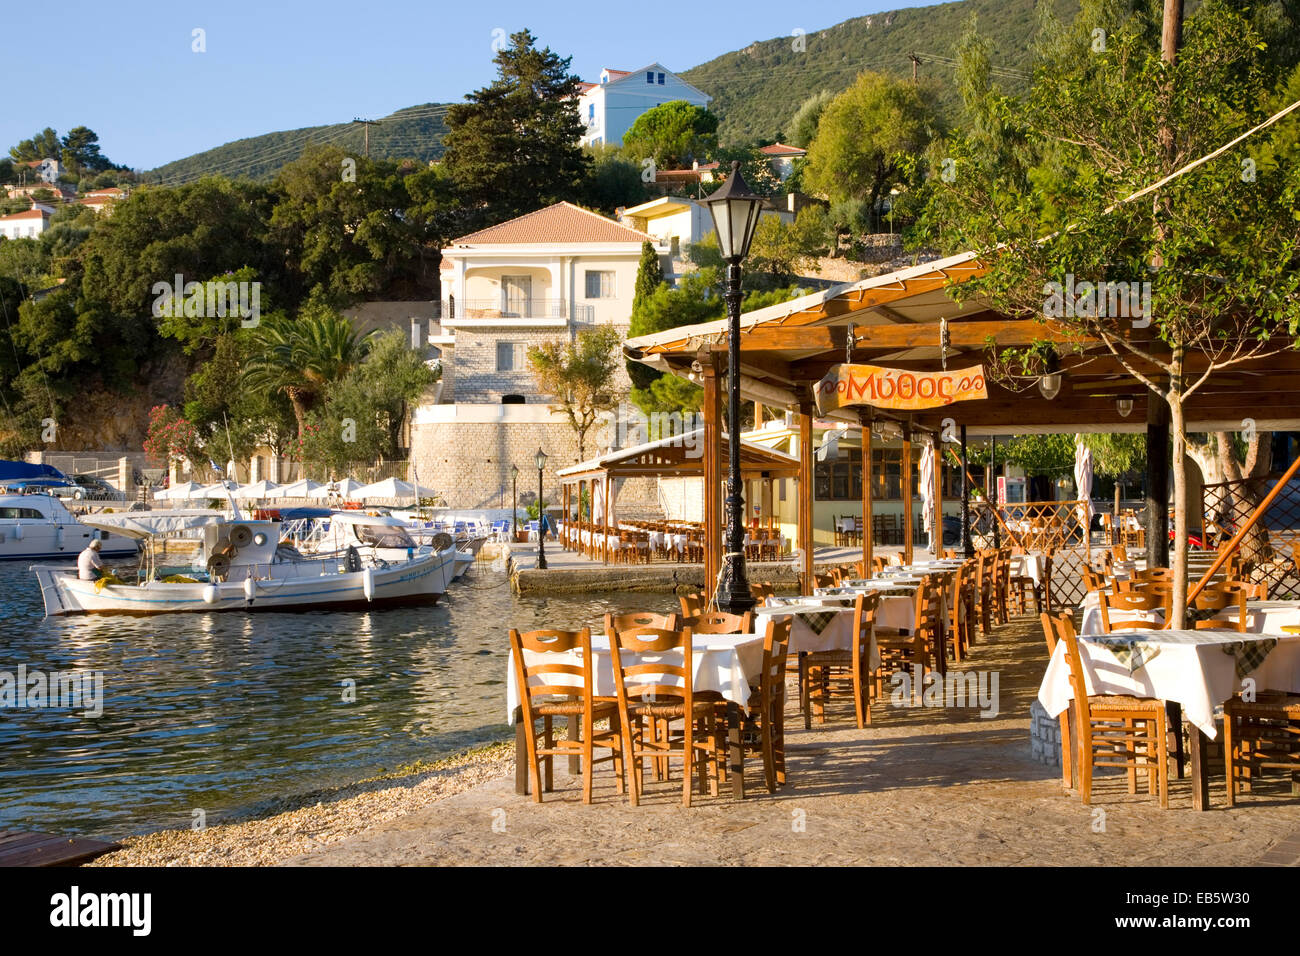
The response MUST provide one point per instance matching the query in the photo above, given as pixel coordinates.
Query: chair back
(538, 675)
(1254, 590)
(652, 663)
(823, 580)
(1150, 575)
(1214, 600)
(864, 624)
(1137, 601)
(692, 604)
(1060, 627)
(1119, 553)
(719, 622)
(639, 619)
(1091, 579)
(762, 591)
(776, 650)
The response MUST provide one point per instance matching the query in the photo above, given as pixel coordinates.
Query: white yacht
(41, 526)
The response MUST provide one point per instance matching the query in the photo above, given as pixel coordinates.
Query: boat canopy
(360, 517)
(148, 524)
(22, 471)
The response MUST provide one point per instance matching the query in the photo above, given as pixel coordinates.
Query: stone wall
(475, 378)
(1044, 736)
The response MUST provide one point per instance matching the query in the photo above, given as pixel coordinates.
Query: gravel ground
(309, 822)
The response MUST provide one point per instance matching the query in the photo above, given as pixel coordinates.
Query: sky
(129, 71)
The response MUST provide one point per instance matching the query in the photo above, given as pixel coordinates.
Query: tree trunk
(1177, 426)
(1243, 492)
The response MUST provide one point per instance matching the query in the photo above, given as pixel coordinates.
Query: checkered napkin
(818, 620)
(1249, 654)
(1132, 652)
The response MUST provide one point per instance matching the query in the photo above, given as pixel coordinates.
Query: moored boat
(41, 526)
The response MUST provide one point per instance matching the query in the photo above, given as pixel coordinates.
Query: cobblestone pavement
(923, 786)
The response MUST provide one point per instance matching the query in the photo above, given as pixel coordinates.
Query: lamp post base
(734, 595)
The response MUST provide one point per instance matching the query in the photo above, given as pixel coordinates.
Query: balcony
(470, 313)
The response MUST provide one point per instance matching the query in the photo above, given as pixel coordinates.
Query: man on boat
(89, 562)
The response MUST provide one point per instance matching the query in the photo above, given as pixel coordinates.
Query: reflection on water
(219, 711)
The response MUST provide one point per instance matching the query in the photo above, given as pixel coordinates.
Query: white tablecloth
(1028, 565)
(837, 636)
(725, 663)
(1189, 667)
(1263, 617)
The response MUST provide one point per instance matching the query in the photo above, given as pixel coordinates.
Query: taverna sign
(903, 389)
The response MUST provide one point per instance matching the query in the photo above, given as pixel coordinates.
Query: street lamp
(514, 502)
(540, 459)
(735, 211)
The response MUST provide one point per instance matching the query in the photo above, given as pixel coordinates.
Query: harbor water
(220, 712)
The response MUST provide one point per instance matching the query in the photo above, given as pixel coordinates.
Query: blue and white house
(610, 107)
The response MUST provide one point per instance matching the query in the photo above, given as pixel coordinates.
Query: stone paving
(923, 786)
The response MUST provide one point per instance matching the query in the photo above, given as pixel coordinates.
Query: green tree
(580, 375)
(300, 358)
(784, 250)
(862, 139)
(802, 129)
(44, 145)
(513, 147)
(80, 152)
(614, 181)
(649, 274)
(673, 134)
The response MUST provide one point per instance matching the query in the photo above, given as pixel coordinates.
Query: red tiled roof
(584, 87)
(617, 73)
(563, 222)
(27, 214)
(780, 149)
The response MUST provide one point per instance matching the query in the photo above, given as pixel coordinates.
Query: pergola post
(806, 496)
(868, 542)
(967, 547)
(1157, 481)
(712, 464)
(604, 516)
(937, 517)
(907, 494)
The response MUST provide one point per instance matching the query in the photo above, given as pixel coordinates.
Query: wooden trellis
(1054, 527)
(1266, 552)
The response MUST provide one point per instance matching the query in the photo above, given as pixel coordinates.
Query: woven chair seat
(572, 708)
(1273, 704)
(1124, 702)
(668, 709)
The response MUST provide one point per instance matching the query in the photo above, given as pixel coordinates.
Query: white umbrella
(258, 490)
(343, 489)
(1083, 488)
(179, 492)
(300, 489)
(927, 499)
(598, 503)
(393, 488)
(216, 490)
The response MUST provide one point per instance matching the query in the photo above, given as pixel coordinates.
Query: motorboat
(41, 526)
(243, 565)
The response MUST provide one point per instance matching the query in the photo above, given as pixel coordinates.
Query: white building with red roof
(781, 158)
(610, 107)
(28, 224)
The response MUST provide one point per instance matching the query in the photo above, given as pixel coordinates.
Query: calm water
(222, 711)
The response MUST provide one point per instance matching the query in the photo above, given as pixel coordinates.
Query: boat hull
(420, 581)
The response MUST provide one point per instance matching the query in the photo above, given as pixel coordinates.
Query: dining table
(1196, 670)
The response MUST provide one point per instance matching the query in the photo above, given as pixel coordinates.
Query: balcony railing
(497, 308)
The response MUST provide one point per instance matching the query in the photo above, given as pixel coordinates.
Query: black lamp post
(735, 212)
(540, 459)
(514, 501)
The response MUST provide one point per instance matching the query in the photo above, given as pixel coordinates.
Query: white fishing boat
(241, 565)
(41, 526)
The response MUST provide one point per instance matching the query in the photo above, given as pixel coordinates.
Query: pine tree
(513, 147)
(649, 274)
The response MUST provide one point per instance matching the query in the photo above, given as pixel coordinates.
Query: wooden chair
(842, 669)
(1214, 601)
(961, 611)
(986, 589)
(639, 619)
(1152, 575)
(1017, 585)
(662, 689)
(823, 580)
(562, 687)
(762, 719)
(1132, 602)
(1113, 730)
(692, 604)
(1264, 733)
(719, 622)
(1092, 580)
(762, 591)
(1001, 584)
(910, 650)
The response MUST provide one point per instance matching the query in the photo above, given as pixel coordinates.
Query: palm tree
(302, 357)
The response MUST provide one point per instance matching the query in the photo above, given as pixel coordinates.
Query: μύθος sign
(904, 389)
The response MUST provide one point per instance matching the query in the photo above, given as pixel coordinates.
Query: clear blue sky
(128, 72)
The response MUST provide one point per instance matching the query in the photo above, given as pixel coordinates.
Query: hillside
(412, 133)
(758, 88)
(755, 89)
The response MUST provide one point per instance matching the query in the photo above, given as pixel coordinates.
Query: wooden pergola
(908, 321)
(676, 456)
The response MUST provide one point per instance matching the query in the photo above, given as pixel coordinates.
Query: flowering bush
(171, 437)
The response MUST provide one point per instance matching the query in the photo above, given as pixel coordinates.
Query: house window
(510, 356)
(661, 79)
(650, 76)
(600, 285)
(591, 112)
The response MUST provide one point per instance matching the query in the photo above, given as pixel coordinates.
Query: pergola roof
(680, 456)
(896, 322)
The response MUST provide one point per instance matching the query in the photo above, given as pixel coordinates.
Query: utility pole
(916, 62)
(367, 124)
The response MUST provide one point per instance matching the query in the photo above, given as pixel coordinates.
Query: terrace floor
(921, 786)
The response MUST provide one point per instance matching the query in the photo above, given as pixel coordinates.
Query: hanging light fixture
(1050, 385)
(1124, 405)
